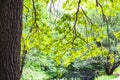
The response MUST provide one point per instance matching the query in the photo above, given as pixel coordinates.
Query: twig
(88, 19)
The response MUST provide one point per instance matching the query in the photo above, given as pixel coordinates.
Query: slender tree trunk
(109, 69)
(10, 38)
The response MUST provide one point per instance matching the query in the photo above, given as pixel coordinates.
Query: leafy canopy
(75, 29)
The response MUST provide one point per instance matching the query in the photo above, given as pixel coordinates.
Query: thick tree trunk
(10, 37)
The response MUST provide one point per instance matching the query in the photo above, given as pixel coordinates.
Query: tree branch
(35, 14)
(76, 19)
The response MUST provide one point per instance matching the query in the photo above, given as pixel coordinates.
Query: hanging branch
(104, 19)
(26, 8)
(88, 19)
(35, 12)
(103, 15)
(34, 15)
(76, 19)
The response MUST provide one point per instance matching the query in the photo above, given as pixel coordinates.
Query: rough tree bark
(10, 38)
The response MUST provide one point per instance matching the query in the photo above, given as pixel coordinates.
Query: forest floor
(118, 78)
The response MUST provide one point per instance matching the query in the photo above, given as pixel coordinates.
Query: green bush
(40, 66)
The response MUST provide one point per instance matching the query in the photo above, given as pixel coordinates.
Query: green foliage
(60, 37)
(29, 73)
(41, 66)
(117, 35)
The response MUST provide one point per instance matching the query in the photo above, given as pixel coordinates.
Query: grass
(29, 74)
(111, 77)
(106, 77)
(117, 70)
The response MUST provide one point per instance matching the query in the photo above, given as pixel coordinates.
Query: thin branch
(103, 15)
(26, 8)
(88, 19)
(35, 14)
(76, 19)
(104, 19)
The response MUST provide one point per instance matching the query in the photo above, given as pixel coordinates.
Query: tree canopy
(67, 30)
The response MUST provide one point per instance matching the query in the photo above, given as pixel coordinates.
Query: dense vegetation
(60, 36)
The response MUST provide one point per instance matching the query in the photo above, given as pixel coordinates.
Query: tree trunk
(10, 38)
(109, 69)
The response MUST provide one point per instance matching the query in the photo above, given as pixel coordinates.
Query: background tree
(10, 39)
